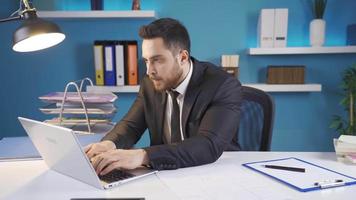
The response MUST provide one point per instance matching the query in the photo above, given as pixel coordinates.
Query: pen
(328, 184)
(294, 169)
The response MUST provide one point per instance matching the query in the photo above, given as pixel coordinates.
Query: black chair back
(256, 121)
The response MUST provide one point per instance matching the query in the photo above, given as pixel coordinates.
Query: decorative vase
(317, 32)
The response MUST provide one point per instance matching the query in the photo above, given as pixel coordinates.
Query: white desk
(224, 179)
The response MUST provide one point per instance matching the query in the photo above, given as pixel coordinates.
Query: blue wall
(216, 27)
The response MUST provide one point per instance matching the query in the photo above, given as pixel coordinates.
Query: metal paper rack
(83, 108)
(79, 91)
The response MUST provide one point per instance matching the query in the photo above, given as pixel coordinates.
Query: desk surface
(224, 179)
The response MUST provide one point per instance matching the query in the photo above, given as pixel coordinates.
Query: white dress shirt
(181, 89)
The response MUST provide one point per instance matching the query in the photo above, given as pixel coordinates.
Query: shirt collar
(182, 87)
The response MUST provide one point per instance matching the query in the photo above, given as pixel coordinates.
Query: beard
(166, 83)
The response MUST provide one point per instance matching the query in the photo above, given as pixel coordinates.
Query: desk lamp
(34, 34)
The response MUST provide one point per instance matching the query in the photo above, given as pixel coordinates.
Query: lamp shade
(36, 34)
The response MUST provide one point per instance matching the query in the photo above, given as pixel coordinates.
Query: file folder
(109, 74)
(99, 62)
(132, 64)
(315, 177)
(120, 63)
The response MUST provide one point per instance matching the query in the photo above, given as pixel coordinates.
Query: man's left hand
(119, 159)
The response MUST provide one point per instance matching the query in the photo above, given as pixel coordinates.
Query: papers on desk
(74, 97)
(314, 178)
(218, 181)
(345, 148)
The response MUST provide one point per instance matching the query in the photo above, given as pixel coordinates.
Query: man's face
(162, 66)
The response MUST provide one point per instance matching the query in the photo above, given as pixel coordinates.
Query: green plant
(347, 127)
(318, 7)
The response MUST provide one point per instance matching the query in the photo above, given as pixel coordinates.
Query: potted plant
(345, 145)
(347, 127)
(317, 25)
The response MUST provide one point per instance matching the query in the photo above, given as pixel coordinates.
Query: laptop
(62, 152)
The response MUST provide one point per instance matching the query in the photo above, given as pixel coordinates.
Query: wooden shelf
(261, 86)
(302, 50)
(98, 14)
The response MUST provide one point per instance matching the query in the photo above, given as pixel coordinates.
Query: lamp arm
(26, 4)
(11, 18)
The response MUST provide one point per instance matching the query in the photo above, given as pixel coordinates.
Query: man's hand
(119, 159)
(97, 148)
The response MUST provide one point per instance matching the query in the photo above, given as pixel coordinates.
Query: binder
(315, 177)
(132, 64)
(109, 73)
(265, 28)
(99, 62)
(120, 63)
(280, 27)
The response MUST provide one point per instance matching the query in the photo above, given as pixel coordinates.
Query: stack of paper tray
(99, 107)
(345, 148)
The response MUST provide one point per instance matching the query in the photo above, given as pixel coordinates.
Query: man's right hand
(97, 148)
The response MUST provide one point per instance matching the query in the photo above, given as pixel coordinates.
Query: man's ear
(184, 56)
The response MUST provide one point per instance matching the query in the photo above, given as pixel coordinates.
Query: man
(191, 108)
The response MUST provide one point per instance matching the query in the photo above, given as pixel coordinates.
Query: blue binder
(109, 64)
(315, 177)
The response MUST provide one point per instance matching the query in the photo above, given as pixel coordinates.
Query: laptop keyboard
(115, 175)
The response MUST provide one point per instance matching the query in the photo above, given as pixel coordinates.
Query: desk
(224, 179)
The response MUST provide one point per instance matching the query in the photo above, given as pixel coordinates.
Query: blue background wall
(216, 27)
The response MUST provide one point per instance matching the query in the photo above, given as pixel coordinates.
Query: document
(314, 177)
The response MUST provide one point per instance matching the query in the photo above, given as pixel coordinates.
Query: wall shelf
(302, 50)
(286, 87)
(98, 14)
(261, 86)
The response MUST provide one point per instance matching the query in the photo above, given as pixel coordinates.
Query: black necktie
(175, 118)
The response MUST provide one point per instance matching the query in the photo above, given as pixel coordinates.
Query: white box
(265, 28)
(280, 27)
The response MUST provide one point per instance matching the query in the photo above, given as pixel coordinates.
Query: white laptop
(62, 152)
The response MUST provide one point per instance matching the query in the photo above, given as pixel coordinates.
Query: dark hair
(173, 33)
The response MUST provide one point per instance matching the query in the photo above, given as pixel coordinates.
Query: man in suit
(190, 108)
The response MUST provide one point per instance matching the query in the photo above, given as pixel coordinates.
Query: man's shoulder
(212, 73)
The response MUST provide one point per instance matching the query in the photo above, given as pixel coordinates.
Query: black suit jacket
(210, 119)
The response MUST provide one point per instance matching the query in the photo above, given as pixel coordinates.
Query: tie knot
(174, 94)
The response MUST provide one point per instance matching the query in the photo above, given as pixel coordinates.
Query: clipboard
(315, 177)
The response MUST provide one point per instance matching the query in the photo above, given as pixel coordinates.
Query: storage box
(285, 74)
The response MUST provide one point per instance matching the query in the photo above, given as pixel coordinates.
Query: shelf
(286, 87)
(302, 50)
(98, 14)
(261, 86)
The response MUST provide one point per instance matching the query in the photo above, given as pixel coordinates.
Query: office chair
(256, 120)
